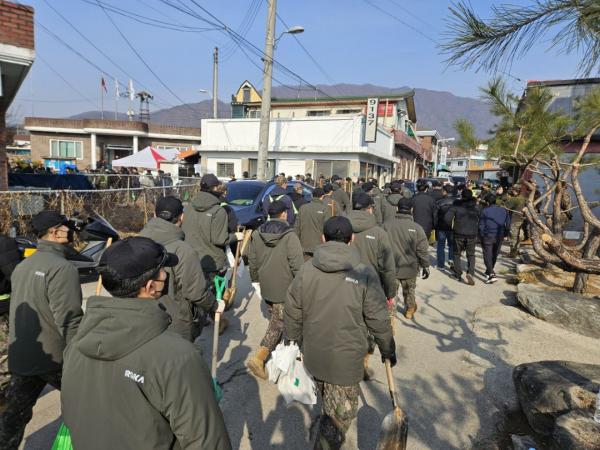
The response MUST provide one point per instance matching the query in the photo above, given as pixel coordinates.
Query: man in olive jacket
(128, 382)
(410, 246)
(205, 225)
(187, 297)
(340, 195)
(45, 311)
(309, 222)
(332, 304)
(274, 257)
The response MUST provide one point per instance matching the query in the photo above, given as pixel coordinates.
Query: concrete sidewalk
(454, 372)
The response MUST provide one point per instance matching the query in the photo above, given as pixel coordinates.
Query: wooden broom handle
(99, 285)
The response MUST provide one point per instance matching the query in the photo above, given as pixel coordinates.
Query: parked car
(246, 198)
(411, 186)
(458, 180)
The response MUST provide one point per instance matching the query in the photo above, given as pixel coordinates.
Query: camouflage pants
(275, 329)
(21, 395)
(4, 373)
(409, 286)
(515, 236)
(340, 407)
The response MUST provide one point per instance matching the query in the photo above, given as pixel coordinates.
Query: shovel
(220, 287)
(229, 294)
(394, 428)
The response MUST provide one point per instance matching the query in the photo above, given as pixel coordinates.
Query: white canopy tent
(148, 158)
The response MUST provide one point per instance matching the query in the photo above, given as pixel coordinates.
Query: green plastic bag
(63, 439)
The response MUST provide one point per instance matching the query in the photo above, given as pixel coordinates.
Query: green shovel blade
(63, 439)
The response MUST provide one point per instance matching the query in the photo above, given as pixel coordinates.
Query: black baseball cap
(362, 200)
(396, 186)
(168, 208)
(368, 186)
(44, 220)
(209, 180)
(327, 188)
(405, 206)
(338, 228)
(318, 193)
(277, 207)
(133, 256)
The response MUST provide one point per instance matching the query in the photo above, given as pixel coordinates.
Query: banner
(371, 120)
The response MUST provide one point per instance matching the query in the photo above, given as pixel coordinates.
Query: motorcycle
(95, 232)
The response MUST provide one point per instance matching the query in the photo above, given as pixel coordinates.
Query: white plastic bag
(298, 385)
(230, 256)
(286, 368)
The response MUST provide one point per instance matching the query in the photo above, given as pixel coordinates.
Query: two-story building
(92, 143)
(475, 165)
(396, 116)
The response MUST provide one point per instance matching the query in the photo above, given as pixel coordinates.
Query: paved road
(453, 372)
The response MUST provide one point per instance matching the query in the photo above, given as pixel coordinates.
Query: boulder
(568, 310)
(549, 389)
(576, 430)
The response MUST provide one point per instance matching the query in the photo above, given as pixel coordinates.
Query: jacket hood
(361, 220)
(394, 198)
(272, 231)
(203, 201)
(335, 257)
(278, 190)
(114, 327)
(162, 231)
(55, 247)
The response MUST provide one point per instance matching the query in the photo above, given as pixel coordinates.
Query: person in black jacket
(494, 226)
(436, 191)
(463, 217)
(9, 258)
(424, 210)
(443, 232)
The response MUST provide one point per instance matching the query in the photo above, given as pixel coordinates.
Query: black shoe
(491, 279)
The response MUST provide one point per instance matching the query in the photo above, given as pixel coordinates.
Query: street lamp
(437, 149)
(265, 107)
(297, 29)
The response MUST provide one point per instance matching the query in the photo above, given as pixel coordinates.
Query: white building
(316, 145)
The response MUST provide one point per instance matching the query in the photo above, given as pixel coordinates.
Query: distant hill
(435, 109)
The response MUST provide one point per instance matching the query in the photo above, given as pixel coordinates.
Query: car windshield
(243, 194)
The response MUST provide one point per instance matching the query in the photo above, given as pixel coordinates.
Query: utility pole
(215, 81)
(265, 108)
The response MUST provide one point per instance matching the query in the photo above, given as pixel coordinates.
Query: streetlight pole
(437, 149)
(265, 107)
(215, 81)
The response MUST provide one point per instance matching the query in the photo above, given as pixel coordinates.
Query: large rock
(568, 310)
(549, 389)
(576, 430)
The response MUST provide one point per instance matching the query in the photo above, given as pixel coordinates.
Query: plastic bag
(298, 385)
(230, 256)
(287, 370)
(63, 439)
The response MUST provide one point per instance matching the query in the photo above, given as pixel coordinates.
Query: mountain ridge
(437, 110)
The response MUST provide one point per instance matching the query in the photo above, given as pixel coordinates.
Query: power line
(410, 13)
(38, 56)
(243, 30)
(142, 59)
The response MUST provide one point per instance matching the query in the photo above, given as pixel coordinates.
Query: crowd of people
(328, 269)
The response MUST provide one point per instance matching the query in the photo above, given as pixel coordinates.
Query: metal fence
(127, 209)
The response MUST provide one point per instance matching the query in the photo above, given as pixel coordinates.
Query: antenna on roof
(145, 98)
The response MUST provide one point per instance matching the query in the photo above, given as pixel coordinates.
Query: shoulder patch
(370, 237)
(412, 230)
(39, 274)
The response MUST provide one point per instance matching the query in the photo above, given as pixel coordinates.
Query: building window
(348, 111)
(66, 149)
(478, 163)
(225, 169)
(330, 168)
(253, 113)
(460, 163)
(246, 92)
(318, 113)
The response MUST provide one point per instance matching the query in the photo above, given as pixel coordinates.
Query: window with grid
(66, 149)
(318, 113)
(225, 169)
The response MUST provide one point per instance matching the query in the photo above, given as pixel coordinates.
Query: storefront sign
(371, 120)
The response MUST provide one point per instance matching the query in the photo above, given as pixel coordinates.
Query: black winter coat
(425, 212)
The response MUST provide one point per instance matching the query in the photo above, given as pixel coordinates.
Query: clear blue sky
(351, 40)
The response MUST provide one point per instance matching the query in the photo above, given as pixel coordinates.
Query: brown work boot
(368, 373)
(256, 363)
(223, 325)
(470, 280)
(410, 312)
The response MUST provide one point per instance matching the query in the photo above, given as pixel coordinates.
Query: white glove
(220, 306)
(239, 235)
(256, 287)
